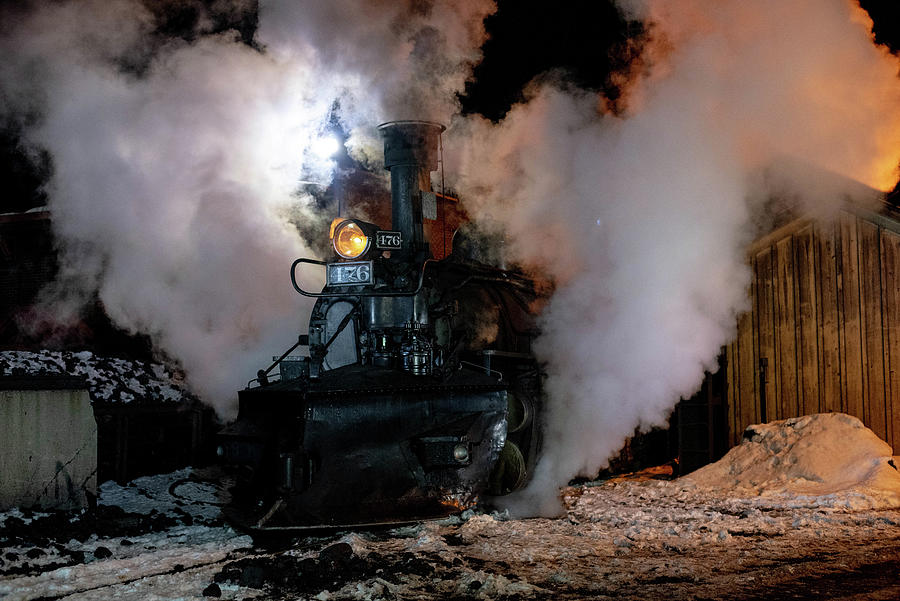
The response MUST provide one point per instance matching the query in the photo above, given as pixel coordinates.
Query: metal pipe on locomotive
(404, 408)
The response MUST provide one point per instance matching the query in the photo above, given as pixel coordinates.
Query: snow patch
(173, 494)
(827, 459)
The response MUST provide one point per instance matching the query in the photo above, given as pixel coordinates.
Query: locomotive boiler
(418, 395)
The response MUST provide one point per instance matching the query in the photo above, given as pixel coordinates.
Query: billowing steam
(642, 219)
(399, 59)
(178, 160)
(177, 163)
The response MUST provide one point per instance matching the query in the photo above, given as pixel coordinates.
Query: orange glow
(334, 224)
(797, 79)
(458, 502)
(349, 240)
(886, 171)
(659, 472)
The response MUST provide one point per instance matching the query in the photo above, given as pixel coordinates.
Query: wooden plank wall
(823, 333)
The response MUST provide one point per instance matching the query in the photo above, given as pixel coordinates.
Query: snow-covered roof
(109, 379)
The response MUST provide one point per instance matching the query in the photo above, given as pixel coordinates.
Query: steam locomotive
(419, 394)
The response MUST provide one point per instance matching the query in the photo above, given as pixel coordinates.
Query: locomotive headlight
(349, 240)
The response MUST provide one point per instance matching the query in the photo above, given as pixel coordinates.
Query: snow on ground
(176, 494)
(109, 379)
(802, 509)
(827, 459)
(148, 539)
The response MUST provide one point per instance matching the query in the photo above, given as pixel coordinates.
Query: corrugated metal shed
(823, 333)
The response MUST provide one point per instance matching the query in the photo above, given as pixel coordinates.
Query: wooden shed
(823, 331)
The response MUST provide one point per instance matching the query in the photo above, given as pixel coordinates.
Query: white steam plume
(409, 58)
(642, 220)
(176, 163)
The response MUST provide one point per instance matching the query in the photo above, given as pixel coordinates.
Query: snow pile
(109, 379)
(828, 459)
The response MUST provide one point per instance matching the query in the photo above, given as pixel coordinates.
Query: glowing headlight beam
(325, 147)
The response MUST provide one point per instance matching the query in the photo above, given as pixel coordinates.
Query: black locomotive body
(419, 392)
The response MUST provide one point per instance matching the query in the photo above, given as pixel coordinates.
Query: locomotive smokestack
(410, 154)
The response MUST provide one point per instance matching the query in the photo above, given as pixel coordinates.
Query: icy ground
(803, 509)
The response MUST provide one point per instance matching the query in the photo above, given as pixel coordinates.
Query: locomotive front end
(399, 410)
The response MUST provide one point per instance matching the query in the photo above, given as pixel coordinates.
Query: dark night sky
(886, 15)
(584, 39)
(587, 39)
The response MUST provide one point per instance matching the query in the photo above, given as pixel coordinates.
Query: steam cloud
(177, 163)
(176, 168)
(643, 218)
